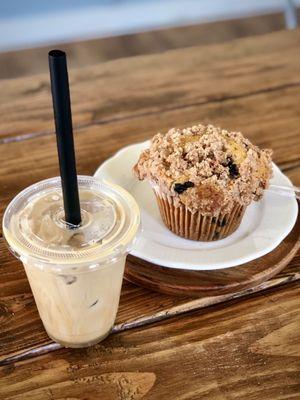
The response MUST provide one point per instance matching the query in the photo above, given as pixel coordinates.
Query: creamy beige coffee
(75, 273)
(78, 309)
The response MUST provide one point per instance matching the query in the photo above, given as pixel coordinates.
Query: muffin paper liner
(196, 226)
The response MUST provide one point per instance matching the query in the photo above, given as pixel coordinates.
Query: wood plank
(274, 113)
(34, 159)
(150, 84)
(22, 329)
(247, 349)
(14, 64)
(294, 175)
(150, 312)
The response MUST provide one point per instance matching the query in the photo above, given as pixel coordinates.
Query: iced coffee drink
(75, 272)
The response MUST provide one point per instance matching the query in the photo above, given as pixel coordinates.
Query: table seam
(249, 293)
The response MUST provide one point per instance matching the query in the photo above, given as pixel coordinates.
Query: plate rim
(188, 266)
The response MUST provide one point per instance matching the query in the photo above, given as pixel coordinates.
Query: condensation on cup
(75, 273)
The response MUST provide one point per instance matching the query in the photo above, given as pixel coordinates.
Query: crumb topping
(206, 168)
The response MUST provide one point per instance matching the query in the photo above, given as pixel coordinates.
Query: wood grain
(25, 162)
(246, 349)
(161, 314)
(238, 349)
(31, 160)
(151, 84)
(20, 63)
(22, 330)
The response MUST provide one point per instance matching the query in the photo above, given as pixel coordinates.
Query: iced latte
(75, 273)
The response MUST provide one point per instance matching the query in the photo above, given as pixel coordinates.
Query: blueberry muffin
(204, 177)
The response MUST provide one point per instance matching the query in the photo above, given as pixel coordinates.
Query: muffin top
(206, 168)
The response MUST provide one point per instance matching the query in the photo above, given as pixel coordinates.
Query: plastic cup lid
(34, 227)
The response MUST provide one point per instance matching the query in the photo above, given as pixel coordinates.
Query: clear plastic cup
(75, 273)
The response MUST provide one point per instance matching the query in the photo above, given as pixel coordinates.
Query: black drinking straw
(64, 135)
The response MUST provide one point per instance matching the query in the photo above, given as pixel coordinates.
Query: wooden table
(245, 346)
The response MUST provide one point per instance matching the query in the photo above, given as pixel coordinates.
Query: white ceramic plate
(264, 226)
